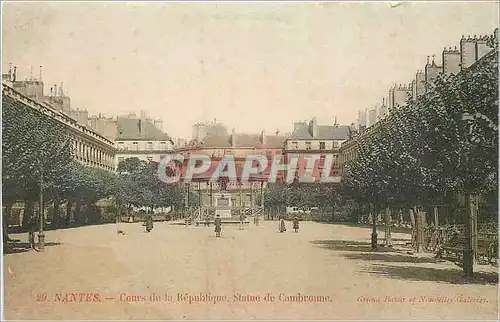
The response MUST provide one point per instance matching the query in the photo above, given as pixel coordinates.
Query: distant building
(362, 120)
(472, 49)
(313, 138)
(399, 95)
(106, 126)
(432, 71)
(372, 116)
(139, 137)
(382, 111)
(418, 84)
(89, 148)
(201, 130)
(451, 61)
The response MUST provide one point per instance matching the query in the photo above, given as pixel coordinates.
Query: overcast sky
(253, 66)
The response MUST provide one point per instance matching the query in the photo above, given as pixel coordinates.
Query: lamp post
(468, 264)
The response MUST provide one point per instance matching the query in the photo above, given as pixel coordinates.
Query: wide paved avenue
(177, 272)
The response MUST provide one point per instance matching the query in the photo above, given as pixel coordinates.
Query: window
(336, 144)
(295, 145)
(149, 146)
(135, 146)
(121, 159)
(322, 145)
(308, 145)
(121, 146)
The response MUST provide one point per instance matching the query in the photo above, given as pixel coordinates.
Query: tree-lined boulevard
(406, 228)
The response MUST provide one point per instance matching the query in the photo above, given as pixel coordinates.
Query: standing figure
(218, 224)
(242, 218)
(149, 223)
(282, 224)
(296, 224)
(32, 224)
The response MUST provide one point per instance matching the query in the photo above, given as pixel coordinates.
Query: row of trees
(139, 186)
(324, 196)
(37, 159)
(440, 149)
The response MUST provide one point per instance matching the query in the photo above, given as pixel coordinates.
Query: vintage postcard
(249, 160)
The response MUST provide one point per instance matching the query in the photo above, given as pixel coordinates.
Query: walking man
(149, 223)
(242, 218)
(296, 224)
(32, 224)
(218, 224)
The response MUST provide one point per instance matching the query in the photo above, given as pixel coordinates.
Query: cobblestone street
(332, 264)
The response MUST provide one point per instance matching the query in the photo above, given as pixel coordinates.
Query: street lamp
(468, 265)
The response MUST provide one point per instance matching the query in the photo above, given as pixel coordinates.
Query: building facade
(453, 61)
(89, 148)
(138, 137)
(312, 138)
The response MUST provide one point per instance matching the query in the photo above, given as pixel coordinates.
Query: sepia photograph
(250, 160)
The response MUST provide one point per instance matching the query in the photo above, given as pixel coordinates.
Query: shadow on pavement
(415, 273)
(347, 245)
(14, 248)
(394, 258)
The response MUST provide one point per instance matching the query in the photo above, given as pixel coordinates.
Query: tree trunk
(56, 216)
(6, 220)
(78, 208)
(436, 216)
(69, 206)
(468, 259)
(419, 221)
(473, 226)
(28, 213)
(388, 228)
(374, 236)
(412, 219)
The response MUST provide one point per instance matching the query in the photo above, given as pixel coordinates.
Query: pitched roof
(130, 128)
(325, 132)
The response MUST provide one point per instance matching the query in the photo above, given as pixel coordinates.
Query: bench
(487, 249)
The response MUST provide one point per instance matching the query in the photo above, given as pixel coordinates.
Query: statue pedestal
(223, 204)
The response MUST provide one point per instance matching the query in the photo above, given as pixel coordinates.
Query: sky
(253, 66)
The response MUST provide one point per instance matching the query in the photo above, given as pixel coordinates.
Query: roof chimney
(31, 73)
(313, 127)
(40, 73)
(263, 137)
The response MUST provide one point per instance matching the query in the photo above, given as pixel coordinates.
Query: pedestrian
(218, 226)
(296, 224)
(149, 223)
(32, 224)
(282, 224)
(242, 219)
